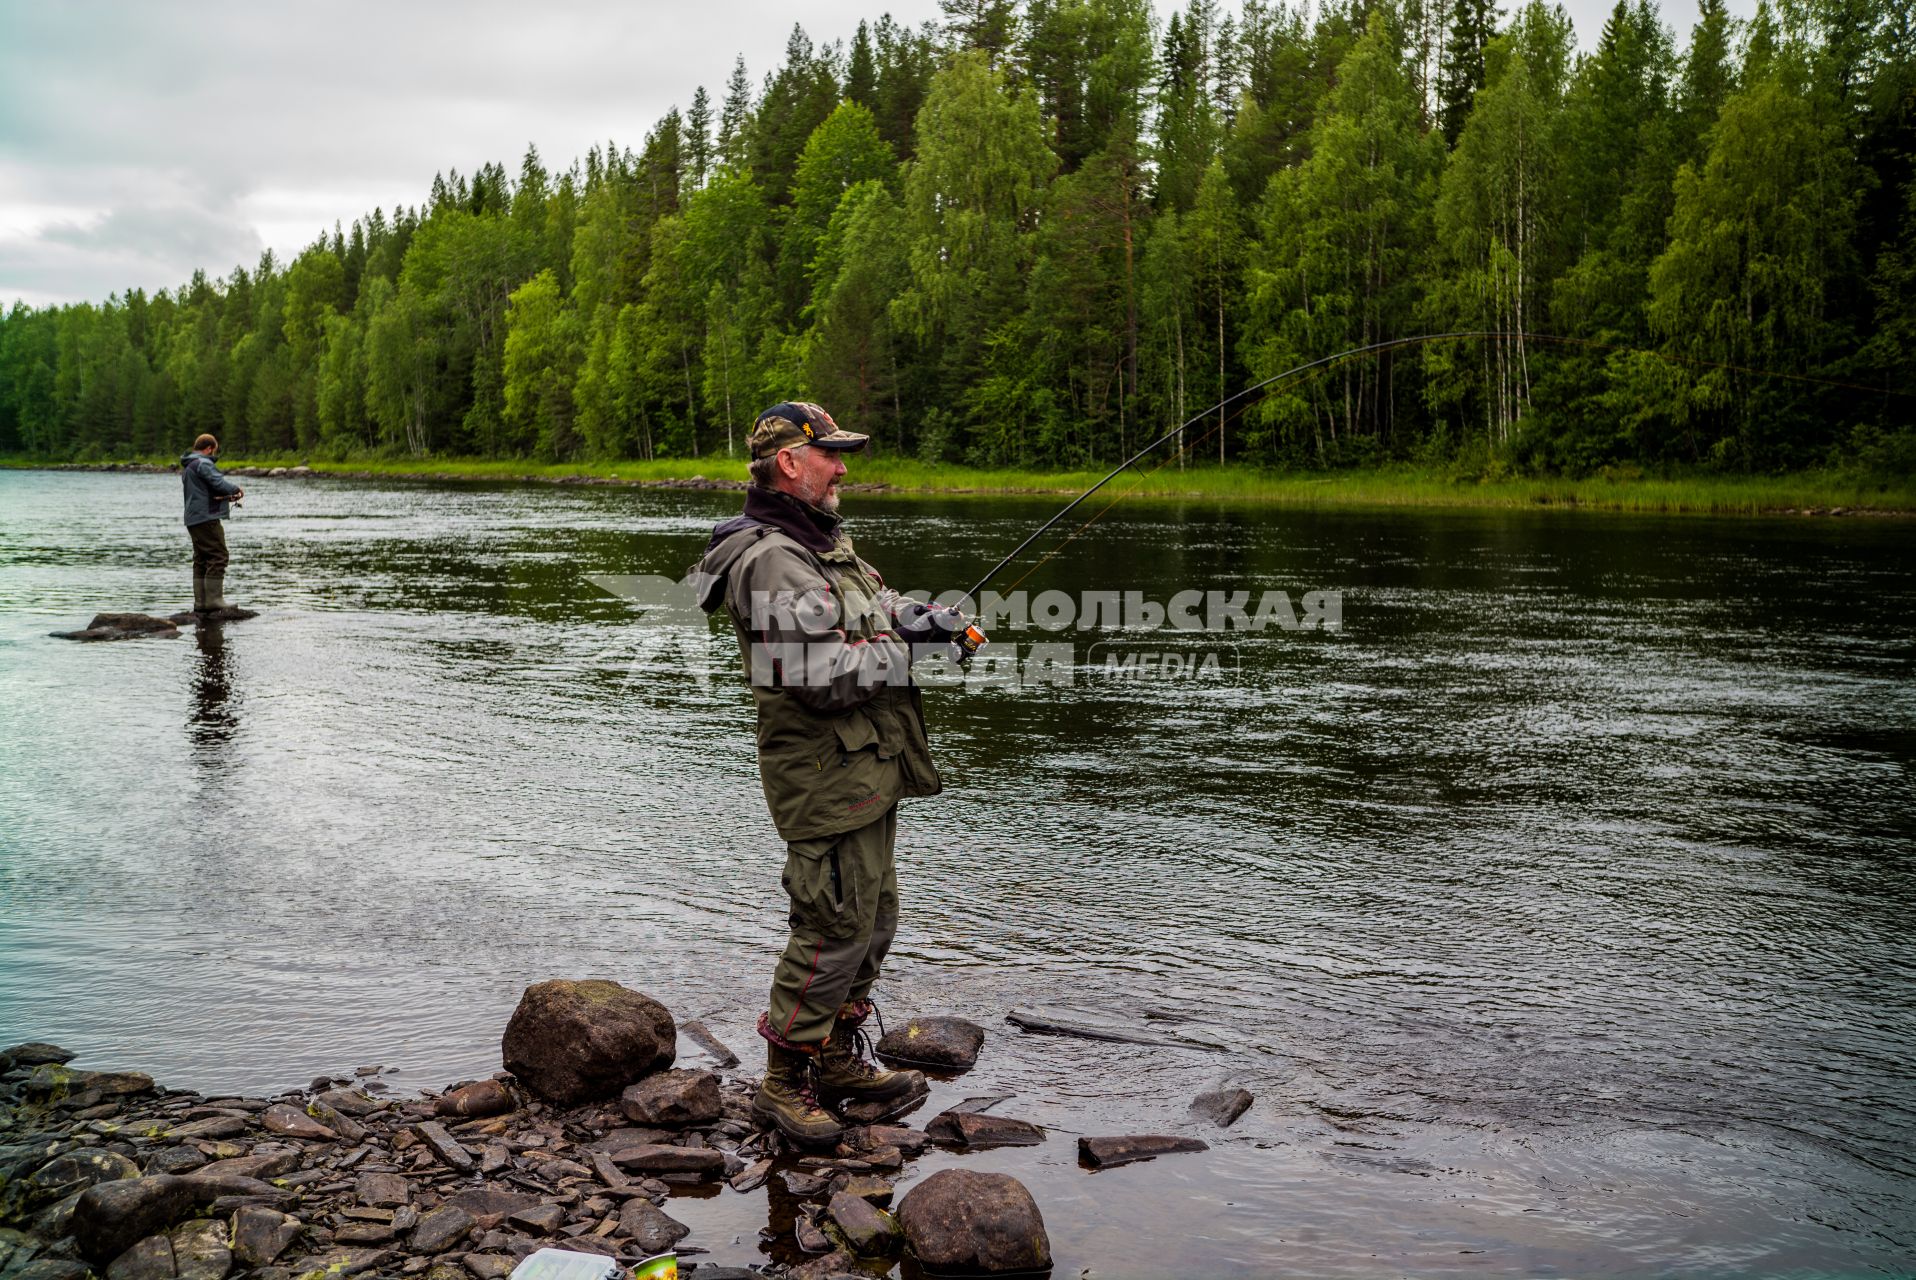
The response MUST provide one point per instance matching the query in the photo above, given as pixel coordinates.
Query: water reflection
(213, 721)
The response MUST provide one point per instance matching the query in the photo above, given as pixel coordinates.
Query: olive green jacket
(841, 728)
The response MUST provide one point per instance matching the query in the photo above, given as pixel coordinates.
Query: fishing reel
(965, 644)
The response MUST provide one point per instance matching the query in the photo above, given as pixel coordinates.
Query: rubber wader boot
(199, 593)
(788, 1102)
(215, 591)
(845, 1074)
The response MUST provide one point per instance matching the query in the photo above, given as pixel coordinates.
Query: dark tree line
(1043, 231)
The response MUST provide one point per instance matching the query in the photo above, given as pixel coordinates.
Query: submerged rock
(122, 626)
(1106, 1153)
(979, 1223)
(231, 613)
(1222, 1104)
(949, 1044)
(571, 1042)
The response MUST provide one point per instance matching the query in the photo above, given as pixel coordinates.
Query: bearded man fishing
(827, 649)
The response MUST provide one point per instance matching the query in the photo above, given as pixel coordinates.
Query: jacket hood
(730, 540)
(765, 510)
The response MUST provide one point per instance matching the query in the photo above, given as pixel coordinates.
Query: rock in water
(121, 626)
(1222, 1104)
(979, 1223)
(673, 1099)
(650, 1227)
(976, 1130)
(866, 1228)
(948, 1044)
(701, 1035)
(35, 1052)
(572, 1042)
(1106, 1153)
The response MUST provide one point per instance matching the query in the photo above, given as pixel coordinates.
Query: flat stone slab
(977, 1130)
(122, 626)
(657, 1158)
(1107, 1153)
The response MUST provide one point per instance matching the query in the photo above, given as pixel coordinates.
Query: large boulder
(572, 1042)
(964, 1221)
(112, 1216)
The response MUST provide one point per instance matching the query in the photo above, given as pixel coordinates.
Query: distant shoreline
(1806, 493)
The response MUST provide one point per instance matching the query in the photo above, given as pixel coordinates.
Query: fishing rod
(1352, 353)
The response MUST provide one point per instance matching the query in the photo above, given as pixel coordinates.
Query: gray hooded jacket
(206, 489)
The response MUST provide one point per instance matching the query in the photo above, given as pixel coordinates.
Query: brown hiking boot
(788, 1102)
(846, 1073)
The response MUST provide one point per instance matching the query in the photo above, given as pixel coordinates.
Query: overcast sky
(141, 140)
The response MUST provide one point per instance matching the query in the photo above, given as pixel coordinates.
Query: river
(1557, 906)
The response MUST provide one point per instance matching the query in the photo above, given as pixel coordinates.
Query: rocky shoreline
(578, 1145)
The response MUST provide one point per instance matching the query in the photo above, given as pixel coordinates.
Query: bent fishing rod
(1352, 353)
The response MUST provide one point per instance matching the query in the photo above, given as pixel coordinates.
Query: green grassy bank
(1695, 493)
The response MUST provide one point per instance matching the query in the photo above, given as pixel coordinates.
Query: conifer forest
(1038, 234)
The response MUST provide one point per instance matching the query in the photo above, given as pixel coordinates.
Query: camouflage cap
(797, 422)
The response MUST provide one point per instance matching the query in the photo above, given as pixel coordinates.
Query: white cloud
(138, 142)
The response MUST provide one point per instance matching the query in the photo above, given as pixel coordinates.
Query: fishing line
(1375, 348)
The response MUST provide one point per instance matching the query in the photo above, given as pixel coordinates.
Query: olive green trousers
(844, 892)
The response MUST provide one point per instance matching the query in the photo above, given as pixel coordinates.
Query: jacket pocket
(824, 901)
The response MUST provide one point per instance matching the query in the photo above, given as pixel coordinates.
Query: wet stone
(962, 1220)
(866, 1187)
(222, 1126)
(872, 1112)
(701, 1035)
(865, 1227)
(942, 1043)
(802, 1185)
(36, 1053)
(753, 1176)
(1221, 1105)
(1106, 1153)
(976, 1130)
(656, 1158)
(364, 1233)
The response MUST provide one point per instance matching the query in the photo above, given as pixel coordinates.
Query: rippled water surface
(1558, 909)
